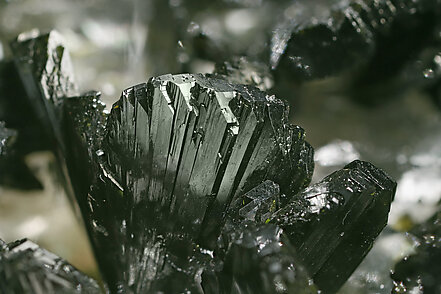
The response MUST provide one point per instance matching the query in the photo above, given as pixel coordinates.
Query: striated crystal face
(257, 258)
(333, 223)
(27, 268)
(180, 149)
(196, 184)
(200, 142)
(44, 64)
(189, 165)
(45, 69)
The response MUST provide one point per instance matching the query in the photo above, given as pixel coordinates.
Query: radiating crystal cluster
(27, 268)
(192, 168)
(195, 183)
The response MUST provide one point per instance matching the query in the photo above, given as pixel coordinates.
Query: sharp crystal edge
(44, 68)
(258, 258)
(253, 256)
(203, 138)
(180, 149)
(46, 72)
(190, 172)
(334, 223)
(27, 268)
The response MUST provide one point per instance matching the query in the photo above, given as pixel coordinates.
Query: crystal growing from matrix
(27, 268)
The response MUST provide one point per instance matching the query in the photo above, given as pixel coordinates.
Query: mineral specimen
(43, 67)
(187, 145)
(27, 268)
(190, 173)
(348, 209)
(30, 85)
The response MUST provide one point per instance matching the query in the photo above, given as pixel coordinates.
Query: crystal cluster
(196, 183)
(27, 268)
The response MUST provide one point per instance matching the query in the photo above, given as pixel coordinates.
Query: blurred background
(116, 44)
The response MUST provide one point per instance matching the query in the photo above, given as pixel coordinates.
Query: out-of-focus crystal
(27, 268)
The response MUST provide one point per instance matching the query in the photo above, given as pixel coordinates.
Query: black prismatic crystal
(253, 256)
(377, 48)
(180, 149)
(200, 142)
(334, 223)
(333, 36)
(27, 268)
(194, 183)
(45, 69)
